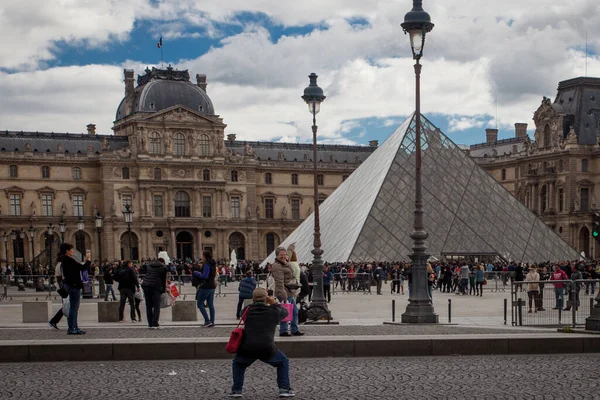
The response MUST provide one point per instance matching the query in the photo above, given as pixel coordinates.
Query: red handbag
(235, 339)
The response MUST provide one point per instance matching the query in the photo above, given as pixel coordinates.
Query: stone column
(169, 203)
(117, 242)
(536, 199)
(553, 196)
(197, 212)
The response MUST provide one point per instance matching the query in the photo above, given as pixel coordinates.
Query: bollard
(449, 311)
(559, 315)
(520, 311)
(393, 310)
(591, 304)
(574, 311)
(505, 310)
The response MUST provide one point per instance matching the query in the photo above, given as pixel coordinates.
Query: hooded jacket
(156, 276)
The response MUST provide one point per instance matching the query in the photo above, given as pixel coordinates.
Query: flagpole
(162, 64)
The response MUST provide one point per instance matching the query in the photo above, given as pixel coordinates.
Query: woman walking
(206, 288)
(71, 270)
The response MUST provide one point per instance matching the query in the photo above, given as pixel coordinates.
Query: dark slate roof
(302, 151)
(160, 89)
(580, 97)
(502, 147)
(71, 142)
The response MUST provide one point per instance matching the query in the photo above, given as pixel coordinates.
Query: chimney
(520, 130)
(91, 129)
(129, 90)
(201, 81)
(491, 135)
(373, 143)
(231, 137)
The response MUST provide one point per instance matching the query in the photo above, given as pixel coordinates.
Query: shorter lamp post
(128, 214)
(80, 234)
(62, 225)
(5, 237)
(99, 221)
(21, 250)
(32, 238)
(50, 232)
(13, 236)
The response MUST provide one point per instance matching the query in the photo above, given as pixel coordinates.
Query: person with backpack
(379, 278)
(206, 288)
(154, 285)
(246, 287)
(128, 285)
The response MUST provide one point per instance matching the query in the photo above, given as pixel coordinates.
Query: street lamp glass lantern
(31, 231)
(22, 234)
(99, 221)
(51, 230)
(313, 95)
(80, 225)
(128, 214)
(62, 226)
(5, 237)
(417, 23)
(13, 235)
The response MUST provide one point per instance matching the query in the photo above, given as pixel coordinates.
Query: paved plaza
(465, 377)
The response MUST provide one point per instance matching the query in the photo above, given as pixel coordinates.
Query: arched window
(76, 173)
(547, 136)
(155, 143)
(204, 145)
(206, 175)
(268, 178)
(182, 204)
(179, 144)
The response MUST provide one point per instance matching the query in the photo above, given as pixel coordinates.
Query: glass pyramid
(370, 216)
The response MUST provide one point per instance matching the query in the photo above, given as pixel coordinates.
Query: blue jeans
(283, 327)
(152, 296)
(207, 295)
(559, 293)
(280, 361)
(74, 300)
(109, 290)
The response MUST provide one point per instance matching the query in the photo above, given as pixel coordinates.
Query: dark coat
(156, 276)
(258, 340)
(71, 270)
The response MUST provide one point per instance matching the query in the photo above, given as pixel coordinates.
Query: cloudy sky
(61, 62)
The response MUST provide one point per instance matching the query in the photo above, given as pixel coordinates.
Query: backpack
(119, 274)
(303, 313)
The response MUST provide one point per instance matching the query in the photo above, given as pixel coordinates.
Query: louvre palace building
(191, 186)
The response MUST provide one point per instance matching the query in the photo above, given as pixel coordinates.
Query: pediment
(45, 189)
(295, 195)
(77, 190)
(181, 114)
(14, 189)
(235, 193)
(126, 190)
(269, 195)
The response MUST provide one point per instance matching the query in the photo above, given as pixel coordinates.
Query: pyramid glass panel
(370, 216)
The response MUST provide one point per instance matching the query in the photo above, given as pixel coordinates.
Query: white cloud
(456, 124)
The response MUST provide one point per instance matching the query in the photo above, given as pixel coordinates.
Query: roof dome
(159, 89)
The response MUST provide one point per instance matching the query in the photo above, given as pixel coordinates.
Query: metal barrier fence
(555, 303)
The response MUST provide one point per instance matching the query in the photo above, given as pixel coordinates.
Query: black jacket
(258, 340)
(156, 276)
(108, 278)
(71, 270)
(129, 280)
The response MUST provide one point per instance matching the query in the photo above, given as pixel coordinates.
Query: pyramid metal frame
(369, 216)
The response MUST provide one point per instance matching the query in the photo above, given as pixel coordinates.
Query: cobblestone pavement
(128, 331)
(473, 377)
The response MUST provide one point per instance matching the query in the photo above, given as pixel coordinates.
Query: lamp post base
(318, 311)
(592, 323)
(420, 313)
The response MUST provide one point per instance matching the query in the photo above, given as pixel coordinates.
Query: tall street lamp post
(39, 281)
(128, 214)
(417, 24)
(50, 232)
(80, 234)
(313, 96)
(99, 221)
(62, 226)
(5, 237)
(13, 236)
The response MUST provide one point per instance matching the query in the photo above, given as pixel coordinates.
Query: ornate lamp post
(80, 228)
(5, 237)
(128, 214)
(13, 236)
(99, 221)
(313, 96)
(417, 24)
(50, 232)
(32, 238)
(62, 225)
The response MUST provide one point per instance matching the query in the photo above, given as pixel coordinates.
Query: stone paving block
(36, 311)
(312, 347)
(108, 311)
(17, 352)
(448, 346)
(384, 346)
(184, 311)
(153, 350)
(83, 351)
(549, 345)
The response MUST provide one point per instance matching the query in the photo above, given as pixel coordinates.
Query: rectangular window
(47, 205)
(45, 172)
(78, 205)
(561, 200)
(585, 199)
(206, 206)
(584, 165)
(295, 208)
(157, 174)
(127, 200)
(294, 179)
(320, 180)
(15, 204)
(76, 173)
(158, 205)
(269, 209)
(503, 174)
(125, 173)
(234, 176)
(13, 171)
(235, 207)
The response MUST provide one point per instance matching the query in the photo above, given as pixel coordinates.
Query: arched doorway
(82, 242)
(185, 245)
(584, 241)
(237, 242)
(129, 240)
(271, 240)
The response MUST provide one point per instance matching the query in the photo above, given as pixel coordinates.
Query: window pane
(204, 145)
(76, 173)
(294, 181)
(78, 205)
(269, 208)
(179, 144)
(155, 143)
(234, 176)
(320, 179)
(15, 204)
(584, 165)
(561, 203)
(127, 200)
(295, 209)
(157, 174)
(182, 204)
(585, 199)
(14, 171)
(235, 207)
(206, 175)
(268, 179)
(270, 243)
(158, 205)
(125, 173)
(45, 172)
(206, 207)
(47, 205)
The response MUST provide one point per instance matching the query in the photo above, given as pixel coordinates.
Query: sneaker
(286, 393)
(53, 325)
(134, 320)
(76, 332)
(298, 333)
(207, 325)
(235, 394)
(284, 334)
